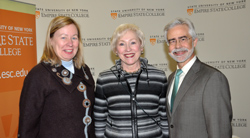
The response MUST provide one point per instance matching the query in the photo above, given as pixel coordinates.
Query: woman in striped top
(131, 95)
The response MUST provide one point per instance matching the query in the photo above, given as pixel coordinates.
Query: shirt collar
(186, 68)
(68, 65)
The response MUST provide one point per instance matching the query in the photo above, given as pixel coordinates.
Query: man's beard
(181, 58)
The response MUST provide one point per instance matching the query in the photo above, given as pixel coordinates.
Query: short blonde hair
(121, 30)
(49, 54)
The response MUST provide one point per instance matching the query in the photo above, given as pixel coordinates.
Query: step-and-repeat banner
(221, 26)
(17, 57)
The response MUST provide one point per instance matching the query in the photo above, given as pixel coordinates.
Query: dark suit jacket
(202, 107)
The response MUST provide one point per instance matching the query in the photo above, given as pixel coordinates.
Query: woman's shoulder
(37, 73)
(107, 72)
(152, 68)
(37, 69)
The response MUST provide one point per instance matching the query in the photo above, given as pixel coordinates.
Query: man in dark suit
(202, 104)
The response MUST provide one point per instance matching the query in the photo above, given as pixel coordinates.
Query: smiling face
(65, 42)
(129, 49)
(183, 51)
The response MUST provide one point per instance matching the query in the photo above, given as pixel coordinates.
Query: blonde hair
(121, 30)
(49, 54)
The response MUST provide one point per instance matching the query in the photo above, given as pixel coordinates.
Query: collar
(144, 63)
(69, 65)
(186, 68)
(67, 79)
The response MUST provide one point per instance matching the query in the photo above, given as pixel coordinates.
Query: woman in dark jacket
(58, 93)
(131, 95)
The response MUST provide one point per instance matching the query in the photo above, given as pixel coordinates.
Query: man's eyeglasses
(182, 40)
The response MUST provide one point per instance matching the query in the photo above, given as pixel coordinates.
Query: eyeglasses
(182, 40)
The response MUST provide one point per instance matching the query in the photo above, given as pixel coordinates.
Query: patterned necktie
(175, 88)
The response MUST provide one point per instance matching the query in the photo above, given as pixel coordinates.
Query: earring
(141, 52)
(116, 54)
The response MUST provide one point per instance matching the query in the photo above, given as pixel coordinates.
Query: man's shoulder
(208, 70)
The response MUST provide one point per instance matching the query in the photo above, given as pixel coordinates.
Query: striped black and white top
(131, 105)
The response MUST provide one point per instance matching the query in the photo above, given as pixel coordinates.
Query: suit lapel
(170, 79)
(187, 83)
